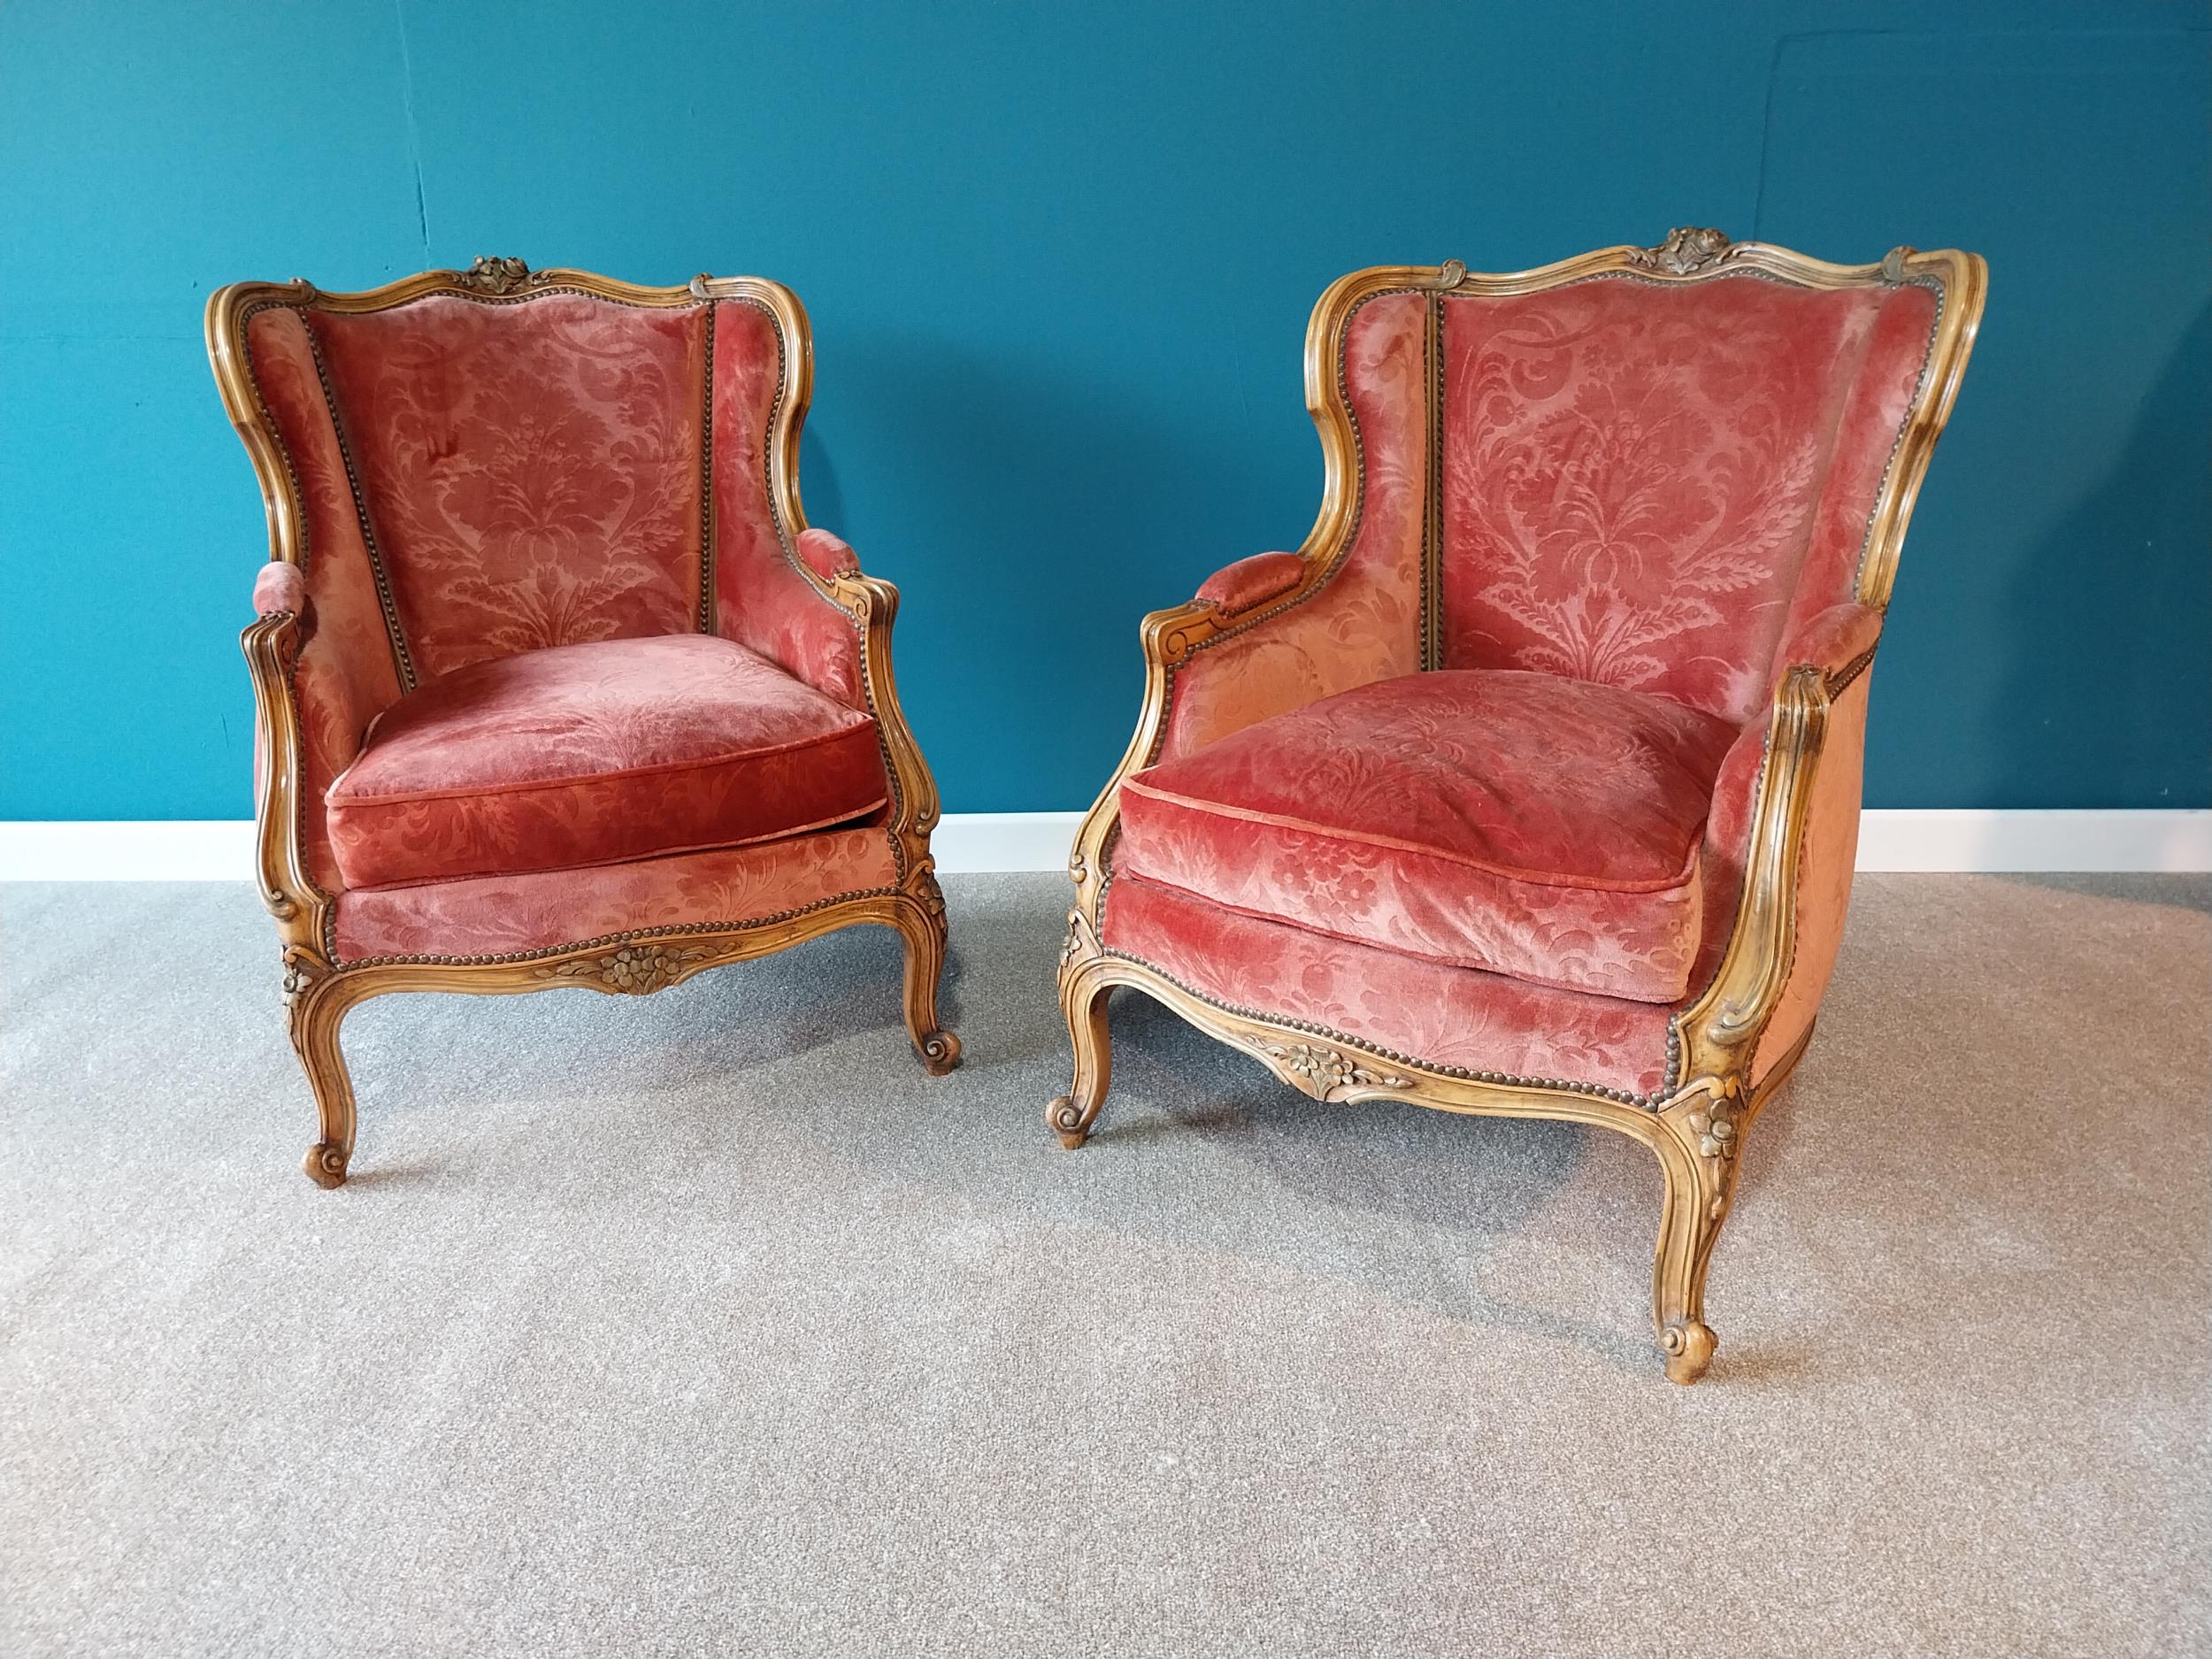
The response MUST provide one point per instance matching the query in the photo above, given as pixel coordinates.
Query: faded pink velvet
(1830, 640)
(345, 674)
(592, 753)
(763, 601)
(500, 915)
(531, 470)
(1445, 1016)
(1529, 825)
(1364, 622)
(829, 556)
(278, 589)
(1826, 864)
(1636, 474)
(1251, 582)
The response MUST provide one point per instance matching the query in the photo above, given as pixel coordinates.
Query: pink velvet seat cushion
(1522, 823)
(581, 755)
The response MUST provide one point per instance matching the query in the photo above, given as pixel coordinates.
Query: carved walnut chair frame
(1697, 1129)
(318, 989)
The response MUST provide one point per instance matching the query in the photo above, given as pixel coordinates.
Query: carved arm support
(870, 605)
(1827, 653)
(272, 643)
(1250, 599)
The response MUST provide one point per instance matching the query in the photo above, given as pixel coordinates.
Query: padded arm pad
(1835, 641)
(828, 556)
(280, 587)
(1252, 583)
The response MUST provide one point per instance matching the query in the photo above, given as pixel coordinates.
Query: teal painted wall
(1059, 262)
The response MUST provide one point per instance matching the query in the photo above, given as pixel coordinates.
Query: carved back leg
(1699, 1144)
(315, 1008)
(922, 930)
(1083, 998)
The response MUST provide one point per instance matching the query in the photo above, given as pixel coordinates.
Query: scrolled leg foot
(316, 1007)
(326, 1165)
(922, 930)
(1083, 1000)
(1069, 1121)
(940, 1051)
(1689, 1349)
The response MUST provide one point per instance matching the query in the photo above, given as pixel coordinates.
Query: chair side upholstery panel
(531, 471)
(762, 599)
(1823, 876)
(346, 675)
(1364, 624)
(1637, 474)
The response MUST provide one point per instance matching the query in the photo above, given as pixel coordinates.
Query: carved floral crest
(1686, 248)
(491, 275)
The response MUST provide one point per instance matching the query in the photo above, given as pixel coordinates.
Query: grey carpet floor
(709, 1324)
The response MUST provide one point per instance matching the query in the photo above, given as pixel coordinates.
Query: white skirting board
(973, 843)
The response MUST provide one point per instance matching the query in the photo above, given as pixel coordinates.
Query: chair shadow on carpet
(1427, 1209)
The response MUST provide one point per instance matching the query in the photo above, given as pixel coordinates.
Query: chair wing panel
(1361, 621)
(345, 675)
(1644, 481)
(531, 471)
(762, 600)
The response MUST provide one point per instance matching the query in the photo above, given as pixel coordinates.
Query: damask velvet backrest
(1643, 483)
(482, 474)
(1646, 470)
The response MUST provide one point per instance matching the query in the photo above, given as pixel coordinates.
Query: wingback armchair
(555, 685)
(1530, 784)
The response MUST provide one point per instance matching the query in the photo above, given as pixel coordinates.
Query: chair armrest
(829, 556)
(279, 590)
(1724, 1020)
(1839, 641)
(791, 612)
(830, 626)
(272, 643)
(1251, 582)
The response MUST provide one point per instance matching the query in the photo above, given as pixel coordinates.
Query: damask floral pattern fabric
(346, 675)
(499, 915)
(532, 471)
(1425, 1010)
(1526, 824)
(1364, 623)
(1634, 473)
(763, 601)
(588, 754)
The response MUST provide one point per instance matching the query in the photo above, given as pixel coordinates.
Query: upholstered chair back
(484, 475)
(1642, 482)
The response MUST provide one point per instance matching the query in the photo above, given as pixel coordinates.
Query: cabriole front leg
(315, 1007)
(1084, 988)
(1700, 1143)
(922, 930)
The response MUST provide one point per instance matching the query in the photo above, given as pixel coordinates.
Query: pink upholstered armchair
(1529, 785)
(555, 685)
